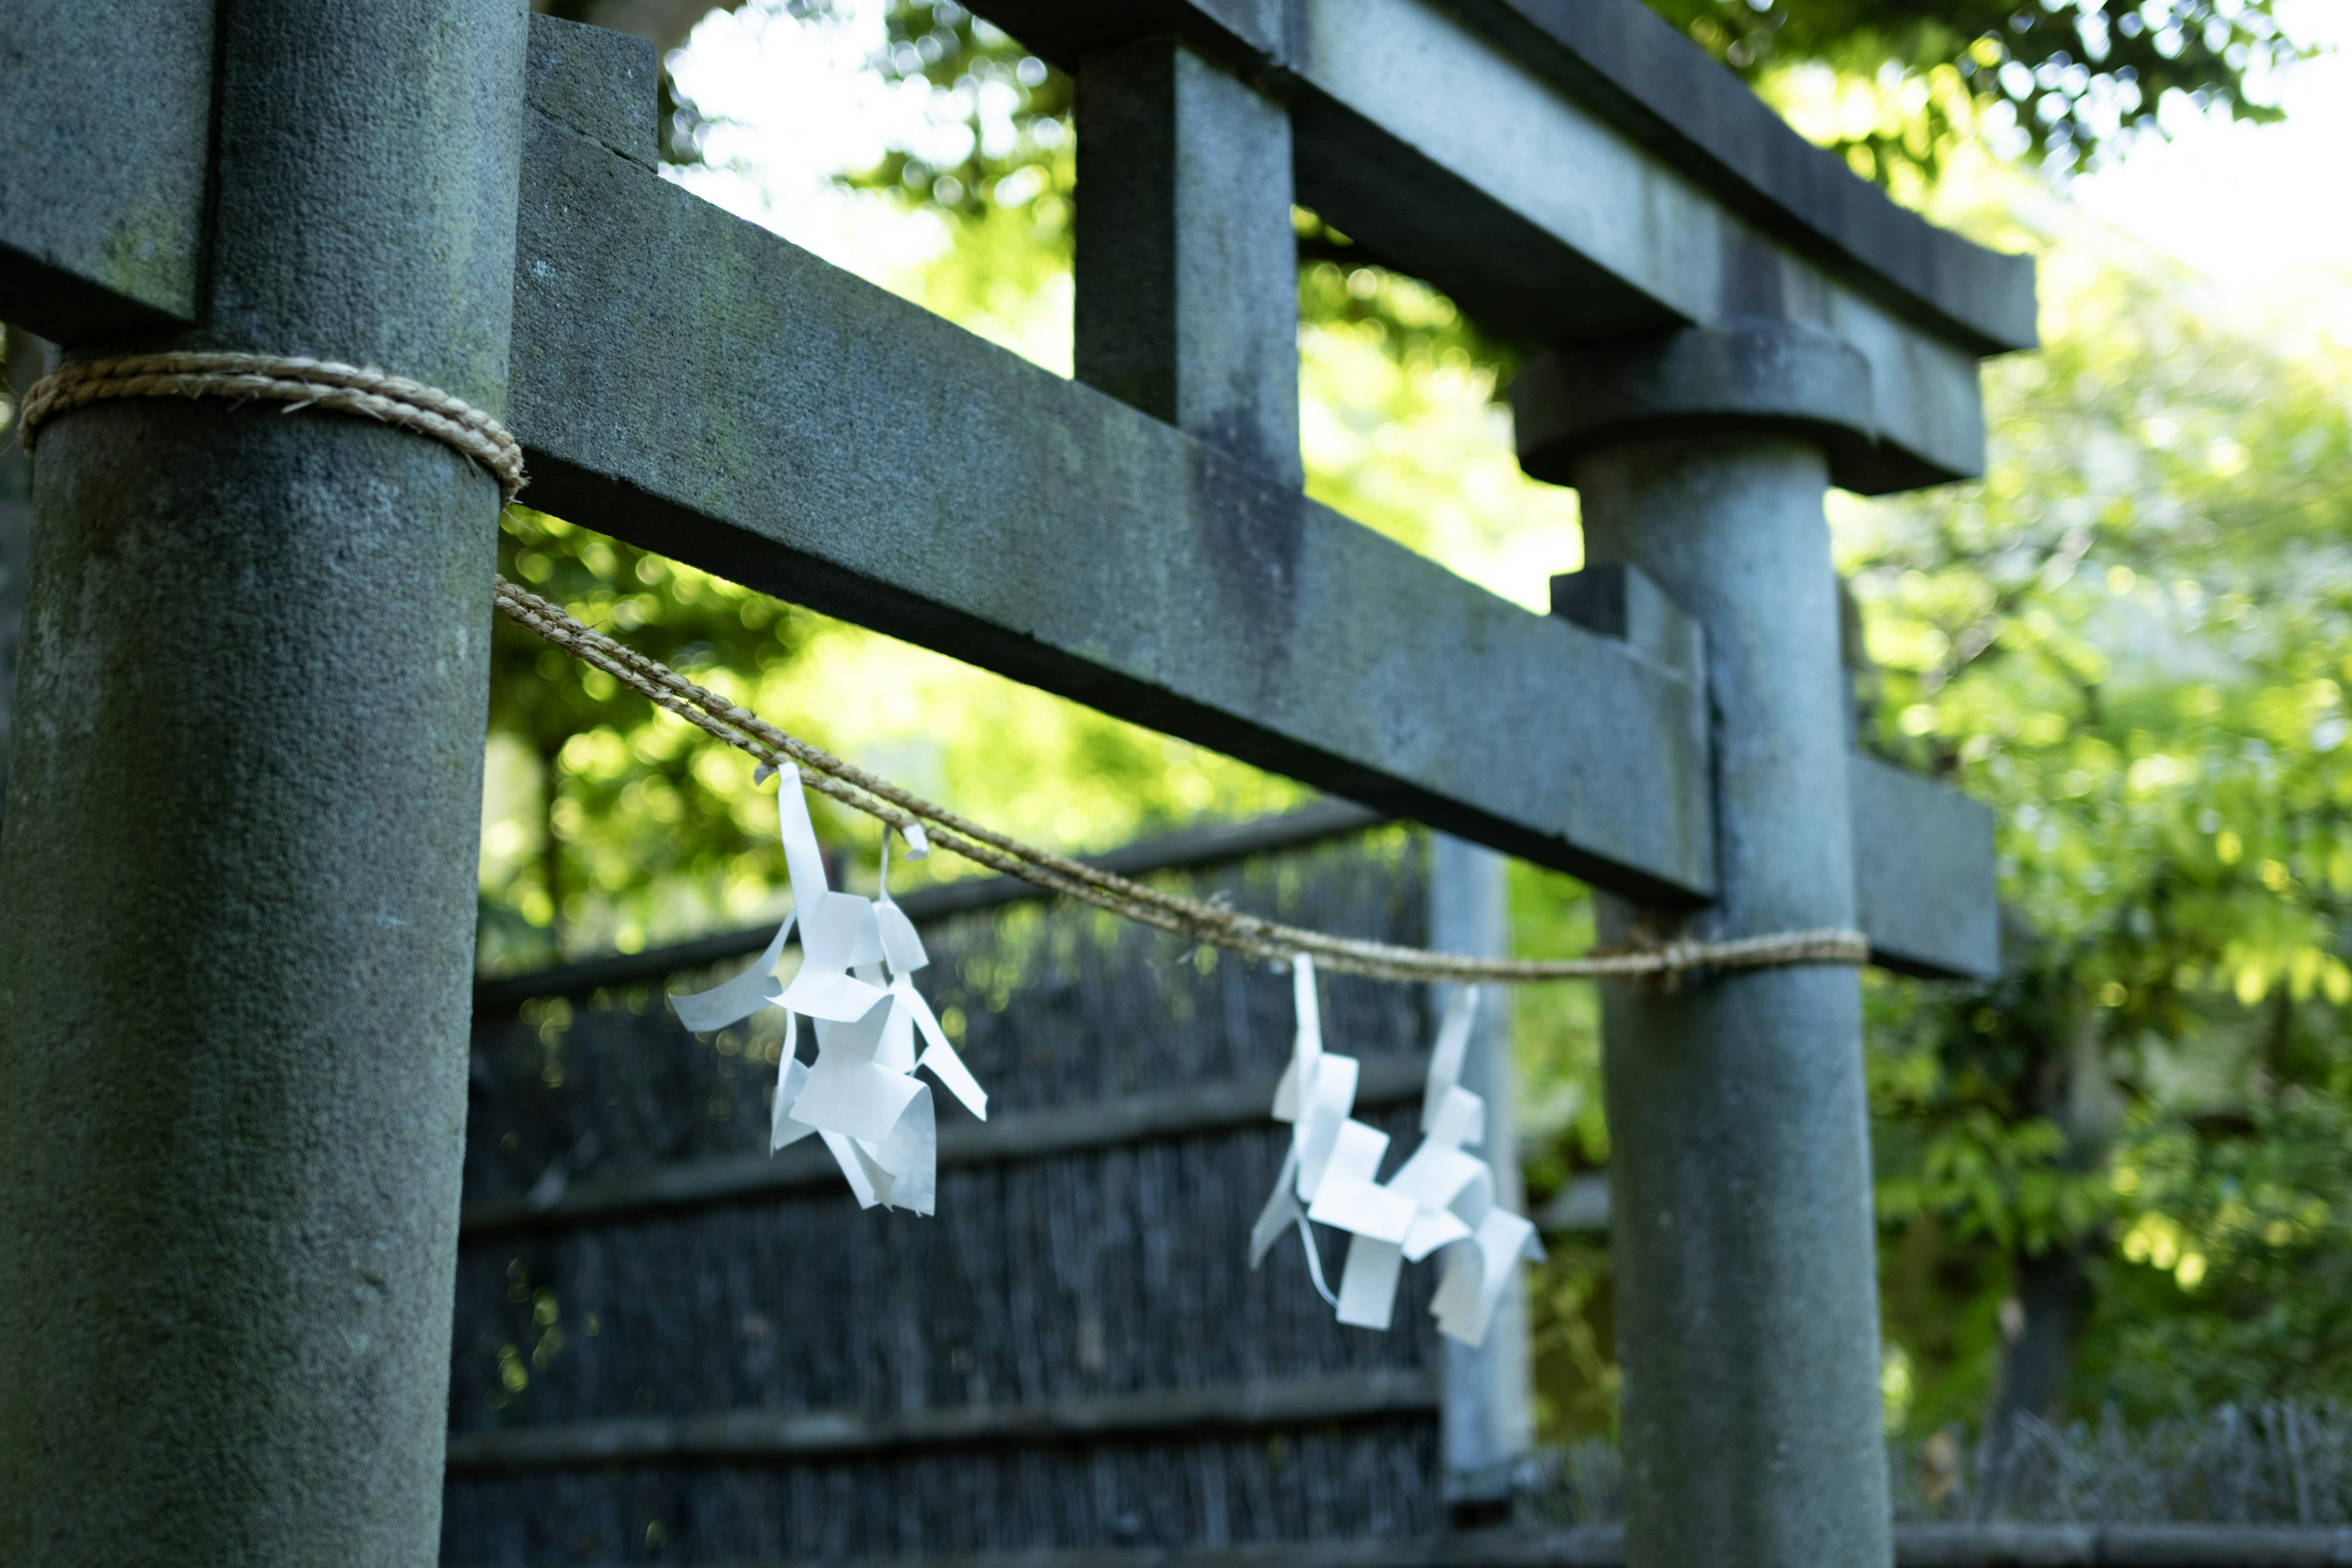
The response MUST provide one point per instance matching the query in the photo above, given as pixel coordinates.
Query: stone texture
(604, 84)
(241, 843)
(102, 190)
(1637, 75)
(1187, 262)
(1740, 1200)
(700, 386)
(1753, 377)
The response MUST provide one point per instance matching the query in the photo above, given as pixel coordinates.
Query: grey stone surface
(1455, 153)
(21, 357)
(576, 81)
(1923, 872)
(1550, 225)
(1923, 854)
(1645, 76)
(1187, 263)
(241, 846)
(1454, 147)
(664, 24)
(696, 385)
(1762, 376)
(604, 84)
(1488, 1414)
(103, 105)
(1740, 1222)
(1617, 600)
(1633, 72)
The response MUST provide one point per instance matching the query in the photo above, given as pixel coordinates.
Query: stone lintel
(685, 380)
(1616, 63)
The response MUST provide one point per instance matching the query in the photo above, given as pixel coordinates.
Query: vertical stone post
(241, 841)
(1187, 263)
(1740, 1203)
(21, 357)
(1489, 1418)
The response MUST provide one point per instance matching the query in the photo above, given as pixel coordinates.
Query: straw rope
(1206, 922)
(297, 384)
(307, 383)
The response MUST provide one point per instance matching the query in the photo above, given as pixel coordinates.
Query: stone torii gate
(236, 874)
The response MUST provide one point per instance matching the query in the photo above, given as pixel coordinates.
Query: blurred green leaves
(2132, 638)
(2064, 78)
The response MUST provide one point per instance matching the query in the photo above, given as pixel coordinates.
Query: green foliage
(2231, 1278)
(2131, 639)
(1013, 108)
(2073, 74)
(611, 813)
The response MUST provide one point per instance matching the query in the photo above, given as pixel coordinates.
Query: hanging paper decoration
(1440, 1197)
(856, 984)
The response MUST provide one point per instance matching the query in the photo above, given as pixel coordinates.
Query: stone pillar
(1187, 267)
(1489, 1417)
(21, 357)
(1740, 1221)
(241, 840)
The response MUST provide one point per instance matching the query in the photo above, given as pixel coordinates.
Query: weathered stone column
(240, 846)
(1740, 1203)
(21, 356)
(1489, 1417)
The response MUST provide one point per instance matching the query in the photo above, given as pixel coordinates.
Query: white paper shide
(855, 983)
(1442, 1198)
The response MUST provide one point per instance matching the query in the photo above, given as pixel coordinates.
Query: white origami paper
(856, 982)
(1440, 1197)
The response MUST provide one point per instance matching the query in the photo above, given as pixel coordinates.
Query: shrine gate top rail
(1574, 172)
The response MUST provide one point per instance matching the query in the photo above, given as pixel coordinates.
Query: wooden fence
(664, 1335)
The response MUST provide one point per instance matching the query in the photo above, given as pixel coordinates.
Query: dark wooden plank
(1604, 1546)
(815, 1434)
(1011, 1135)
(1207, 844)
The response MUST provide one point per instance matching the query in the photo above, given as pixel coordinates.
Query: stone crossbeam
(696, 385)
(1576, 171)
(102, 189)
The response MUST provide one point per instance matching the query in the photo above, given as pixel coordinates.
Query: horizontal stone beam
(1619, 62)
(1923, 872)
(1924, 892)
(106, 114)
(1573, 171)
(696, 385)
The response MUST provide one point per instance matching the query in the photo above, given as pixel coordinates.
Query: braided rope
(298, 383)
(1210, 924)
(308, 383)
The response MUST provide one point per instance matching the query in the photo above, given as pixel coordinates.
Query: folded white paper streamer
(855, 983)
(1440, 1197)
